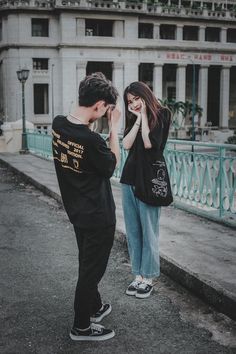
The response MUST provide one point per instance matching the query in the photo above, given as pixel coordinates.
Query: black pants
(94, 250)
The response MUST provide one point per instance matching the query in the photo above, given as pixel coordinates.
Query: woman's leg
(133, 227)
(150, 262)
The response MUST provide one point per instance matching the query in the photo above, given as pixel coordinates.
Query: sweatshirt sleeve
(158, 136)
(101, 157)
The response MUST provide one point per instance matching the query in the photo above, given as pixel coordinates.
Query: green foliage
(231, 139)
(182, 111)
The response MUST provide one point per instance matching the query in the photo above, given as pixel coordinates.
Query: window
(40, 64)
(39, 27)
(186, 3)
(146, 74)
(171, 93)
(231, 35)
(190, 33)
(40, 98)
(145, 30)
(212, 34)
(99, 28)
(104, 66)
(167, 31)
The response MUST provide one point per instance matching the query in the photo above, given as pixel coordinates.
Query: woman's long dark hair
(140, 89)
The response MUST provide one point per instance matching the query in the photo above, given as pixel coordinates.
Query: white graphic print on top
(160, 185)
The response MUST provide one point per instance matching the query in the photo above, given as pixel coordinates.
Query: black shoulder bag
(152, 179)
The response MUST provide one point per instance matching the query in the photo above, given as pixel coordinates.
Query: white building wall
(68, 80)
(69, 50)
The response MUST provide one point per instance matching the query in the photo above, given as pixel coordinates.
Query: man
(84, 165)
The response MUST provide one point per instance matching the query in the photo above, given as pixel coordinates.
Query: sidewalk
(195, 252)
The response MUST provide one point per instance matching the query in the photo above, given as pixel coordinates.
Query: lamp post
(193, 101)
(22, 76)
(52, 92)
(193, 98)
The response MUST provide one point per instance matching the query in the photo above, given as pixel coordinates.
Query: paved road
(38, 261)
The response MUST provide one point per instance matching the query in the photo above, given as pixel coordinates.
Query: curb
(211, 293)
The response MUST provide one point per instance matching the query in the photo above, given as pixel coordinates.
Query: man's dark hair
(96, 87)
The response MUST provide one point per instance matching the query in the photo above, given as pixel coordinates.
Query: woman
(146, 132)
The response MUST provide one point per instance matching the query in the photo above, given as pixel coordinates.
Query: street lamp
(22, 76)
(193, 98)
(193, 101)
(52, 93)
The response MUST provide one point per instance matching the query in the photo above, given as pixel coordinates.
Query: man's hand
(114, 117)
(113, 122)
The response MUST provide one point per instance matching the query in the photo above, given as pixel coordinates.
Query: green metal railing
(202, 175)
(40, 144)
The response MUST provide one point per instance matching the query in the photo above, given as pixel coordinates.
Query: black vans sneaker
(133, 287)
(104, 311)
(144, 290)
(95, 332)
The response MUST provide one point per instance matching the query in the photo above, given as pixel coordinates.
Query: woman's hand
(141, 112)
(136, 113)
(143, 109)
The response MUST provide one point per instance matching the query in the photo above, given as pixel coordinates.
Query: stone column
(181, 83)
(223, 35)
(118, 82)
(224, 96)
(80, 75)
(179, 33)
(81, 71)
(156, 31)
(118, 77)
(69, 80)
(157, 80)
(131, 28)
(118, 29)
(130, 72)
(201, 34)
(203, 92)
(80, 27)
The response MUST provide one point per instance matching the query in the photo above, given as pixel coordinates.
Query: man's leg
(96, 246)
(96, 303)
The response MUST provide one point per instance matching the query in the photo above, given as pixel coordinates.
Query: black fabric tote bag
(152, 185)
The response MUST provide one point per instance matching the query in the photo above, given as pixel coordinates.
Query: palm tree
(182, 112)
(188, 112)
(177, 109)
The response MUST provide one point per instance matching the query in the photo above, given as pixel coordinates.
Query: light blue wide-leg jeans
(142, 229)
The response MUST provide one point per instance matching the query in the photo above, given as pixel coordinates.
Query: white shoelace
(96, 327)
(143, 285)
(135, 283)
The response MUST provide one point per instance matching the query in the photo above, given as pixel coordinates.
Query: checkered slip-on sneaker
(100, 314)
(95, 332)
(133, 287)
(144, 290)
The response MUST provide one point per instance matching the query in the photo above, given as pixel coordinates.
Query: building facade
(184, 50)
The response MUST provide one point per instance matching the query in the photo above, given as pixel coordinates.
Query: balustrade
(213, 9)
(202, 175)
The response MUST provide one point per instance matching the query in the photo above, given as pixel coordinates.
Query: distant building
(158, 42)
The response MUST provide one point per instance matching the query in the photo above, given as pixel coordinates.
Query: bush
(231, 139)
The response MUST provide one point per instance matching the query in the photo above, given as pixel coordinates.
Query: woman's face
(134, 102)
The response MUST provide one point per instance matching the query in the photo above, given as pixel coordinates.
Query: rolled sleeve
(102, 158)
(155, 136)
(159, 134)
